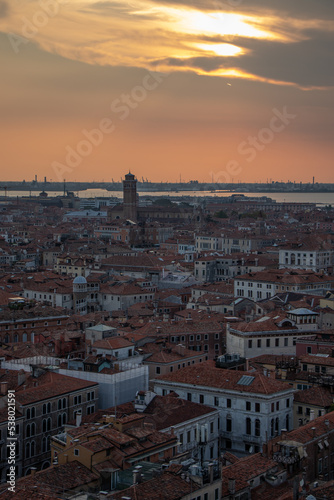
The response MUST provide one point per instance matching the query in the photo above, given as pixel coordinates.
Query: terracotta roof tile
(172, 486)
(170, 410)
(51, 385)
(207, 375)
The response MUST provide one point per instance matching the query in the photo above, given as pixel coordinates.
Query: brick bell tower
(130, 197)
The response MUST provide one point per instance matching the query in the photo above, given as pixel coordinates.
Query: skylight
(246, 380)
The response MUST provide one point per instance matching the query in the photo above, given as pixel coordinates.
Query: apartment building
(273, 334)
(317, 258)
(265, 284)
(252, 406)
(47, 401)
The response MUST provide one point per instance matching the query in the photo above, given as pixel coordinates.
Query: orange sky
(193, 88)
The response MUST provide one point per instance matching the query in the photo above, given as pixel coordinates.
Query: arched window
(48, 425)
(28, 450)
(257, 427)
(49, 407)
(16, 338)
(59, 404)
(28, 434)
(44, 444)
(277, 425)
(44, 425)
(33, 412)
(64, 402)
(32, 448)
(33, 429)
(64, 418)
(24, 337)
(248, 426)
(28, 414)
(272, 427)
(6, 338)
(44, 409)
(48, 443)
(59, 421)
(287, 422)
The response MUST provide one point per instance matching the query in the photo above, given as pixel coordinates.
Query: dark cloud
(205, 63)
(4, 9)
(306, 63)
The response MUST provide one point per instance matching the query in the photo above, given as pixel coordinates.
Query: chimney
(327, 422)
(78, 418)
(313, 431)
(3, 388)
(180, 349)
(283, 433)
(21, 377)
(231, 486)
(137, 474)
(33, 471)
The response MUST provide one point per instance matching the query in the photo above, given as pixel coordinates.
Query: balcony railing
(286, 459)
(252, 439)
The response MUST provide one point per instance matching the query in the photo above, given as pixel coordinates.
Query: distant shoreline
(247, 188)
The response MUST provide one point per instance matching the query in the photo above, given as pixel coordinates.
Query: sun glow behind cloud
(144, 34)
(220, 49)
(223, 24)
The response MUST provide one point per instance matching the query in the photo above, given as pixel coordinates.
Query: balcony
(286, 459)
(252, 439)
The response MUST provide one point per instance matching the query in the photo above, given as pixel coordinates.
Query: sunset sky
(231, 90)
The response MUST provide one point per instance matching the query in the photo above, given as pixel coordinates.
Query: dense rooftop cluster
(167, 350)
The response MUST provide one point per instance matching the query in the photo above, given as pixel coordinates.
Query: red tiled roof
(313, 429)
(207, 375)
(287, 276)
(317, 396)
(244, 470)
(112, 343)
(168, 354)
(181, 327)
(49, 386)
(52, 482)
(172, 486)
(169, 410)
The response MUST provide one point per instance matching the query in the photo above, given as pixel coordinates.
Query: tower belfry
(130, 197)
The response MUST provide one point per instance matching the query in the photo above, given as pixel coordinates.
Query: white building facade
(251, 410)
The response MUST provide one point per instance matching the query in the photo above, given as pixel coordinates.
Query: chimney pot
(33, 470)
(3, 388)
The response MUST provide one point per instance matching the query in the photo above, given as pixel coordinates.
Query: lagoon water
(318, 198)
